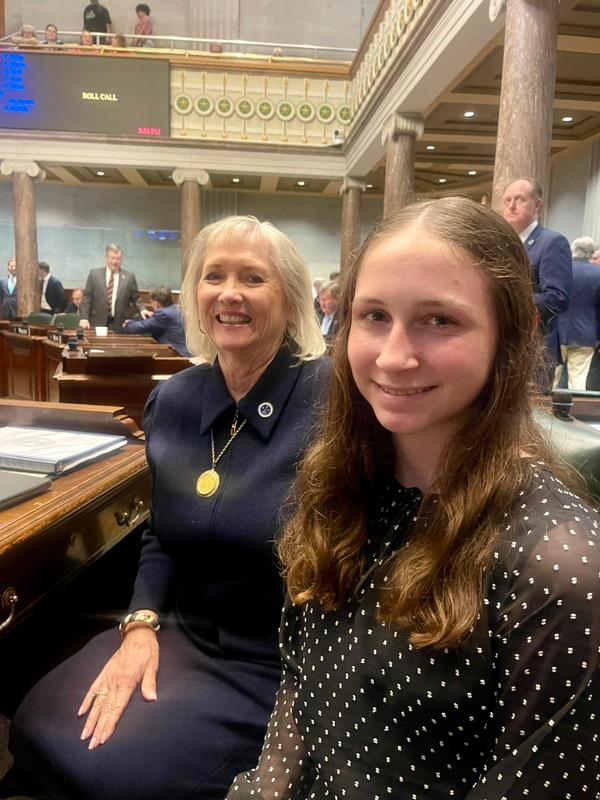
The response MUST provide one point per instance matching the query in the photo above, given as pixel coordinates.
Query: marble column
(528, 77)
(190, 181)
(591, 217)
(399, 136)
(350, 191)
(24, 174)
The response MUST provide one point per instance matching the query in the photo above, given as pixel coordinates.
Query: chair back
(39, 318)
(69, 320)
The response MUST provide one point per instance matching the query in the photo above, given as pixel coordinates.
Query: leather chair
(70, 320)
(575, 441)
(39, 318)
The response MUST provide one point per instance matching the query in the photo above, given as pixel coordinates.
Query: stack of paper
(52, 451)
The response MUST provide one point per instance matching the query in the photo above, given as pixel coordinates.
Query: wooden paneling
(25, 366)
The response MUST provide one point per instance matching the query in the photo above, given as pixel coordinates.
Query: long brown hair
(434, 588)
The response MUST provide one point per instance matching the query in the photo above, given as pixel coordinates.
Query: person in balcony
(118, 40)
(51, 37)
(143, 28)
(26, 37)
(96, 18)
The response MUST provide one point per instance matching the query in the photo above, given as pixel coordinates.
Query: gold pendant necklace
(208, 481)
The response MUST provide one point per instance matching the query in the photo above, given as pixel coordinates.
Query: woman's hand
(136, 661)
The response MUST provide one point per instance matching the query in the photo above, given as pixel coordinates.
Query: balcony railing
(183, 44)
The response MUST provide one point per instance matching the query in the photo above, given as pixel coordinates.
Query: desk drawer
(39, 566)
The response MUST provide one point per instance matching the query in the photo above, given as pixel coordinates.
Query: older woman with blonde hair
(223, 440)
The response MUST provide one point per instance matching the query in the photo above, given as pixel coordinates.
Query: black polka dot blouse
(512, 713)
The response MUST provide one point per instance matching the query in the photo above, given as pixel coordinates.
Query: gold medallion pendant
(207, 483)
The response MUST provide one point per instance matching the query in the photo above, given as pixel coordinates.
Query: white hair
(287, 262)
(583, 248)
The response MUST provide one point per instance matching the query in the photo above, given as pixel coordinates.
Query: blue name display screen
(94, 94)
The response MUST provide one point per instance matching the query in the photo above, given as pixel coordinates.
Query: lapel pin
(265, 410)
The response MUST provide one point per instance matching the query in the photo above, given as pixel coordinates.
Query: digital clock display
(95, 94)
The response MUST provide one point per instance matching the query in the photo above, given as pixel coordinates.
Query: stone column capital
(181, 174)
(352, 183)
(31, 168)
(402, 125)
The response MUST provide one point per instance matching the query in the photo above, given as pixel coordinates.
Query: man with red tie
(110, 294)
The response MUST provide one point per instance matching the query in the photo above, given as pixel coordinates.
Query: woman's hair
(118, 40)
(84, 35)
(143, 7)
(434, 588)
(287, 262)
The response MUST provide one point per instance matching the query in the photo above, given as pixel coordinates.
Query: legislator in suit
(110, 294)
(165, 324)
(52, 292)
(549, 252)
(551, 266)
(8, 292)
(579, 327)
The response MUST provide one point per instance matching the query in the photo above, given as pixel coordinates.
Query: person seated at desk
(222, 444)
(52, 292)
(165, 324)
(75, 303)
(442, 636)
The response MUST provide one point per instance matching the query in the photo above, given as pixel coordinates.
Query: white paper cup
(101, 330)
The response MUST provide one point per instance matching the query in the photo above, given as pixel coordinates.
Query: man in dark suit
(165, 324)
(8, 292)
(549, 251)
(76, 300)
(579, 327)
(52, 292)
(110, 293)
(551, 263)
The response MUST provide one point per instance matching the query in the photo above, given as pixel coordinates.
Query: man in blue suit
(165, 324)
(550, 257)
(579, 327)
(8, 292)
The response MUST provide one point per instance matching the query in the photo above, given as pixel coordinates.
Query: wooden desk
(127, 375)
(4, 324)
(24, 361)
(46, 541)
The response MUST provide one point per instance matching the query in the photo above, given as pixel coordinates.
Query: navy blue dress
(208, 567)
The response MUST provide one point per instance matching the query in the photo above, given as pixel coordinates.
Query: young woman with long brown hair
(441, 638)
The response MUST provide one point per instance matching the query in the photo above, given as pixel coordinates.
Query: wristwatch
(149, 618)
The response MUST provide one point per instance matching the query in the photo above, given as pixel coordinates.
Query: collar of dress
(272, 391)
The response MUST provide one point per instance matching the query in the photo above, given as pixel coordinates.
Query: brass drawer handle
(9, 600)
(132, 514)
